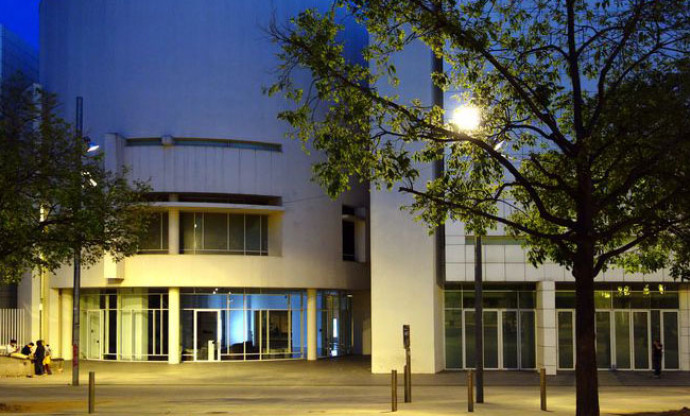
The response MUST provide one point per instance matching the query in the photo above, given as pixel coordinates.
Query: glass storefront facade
(333, 323)
(509, 326)
(628, 318)
(236, 324)
(215, 324)
(124, 324)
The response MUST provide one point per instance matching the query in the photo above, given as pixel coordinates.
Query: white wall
(403, 282)
(508, 263)
(196, 70)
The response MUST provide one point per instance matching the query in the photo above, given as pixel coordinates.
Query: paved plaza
(327, 387)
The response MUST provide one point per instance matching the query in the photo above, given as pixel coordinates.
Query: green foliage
(583, 149)
(53, 195)
(583, 145)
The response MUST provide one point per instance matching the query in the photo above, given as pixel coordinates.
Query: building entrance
(207, 335)
(623, 338)
(508, 337)
(94, 323)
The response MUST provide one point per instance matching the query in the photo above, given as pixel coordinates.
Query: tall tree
(54, 197)
(583, 138)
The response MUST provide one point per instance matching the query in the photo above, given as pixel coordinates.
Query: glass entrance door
(95, 335)
(632, 340)
(508, 339)
(207, 335)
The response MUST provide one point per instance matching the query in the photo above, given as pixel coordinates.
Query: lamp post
(77, 253)
(468, 118)
(79, 127)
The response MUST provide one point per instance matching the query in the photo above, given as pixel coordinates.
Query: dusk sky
(21, 17)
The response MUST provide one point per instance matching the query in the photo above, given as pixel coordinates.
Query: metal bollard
(408, 383)
(92, 392)
(470, 391)
(542, 387)
(394, 390)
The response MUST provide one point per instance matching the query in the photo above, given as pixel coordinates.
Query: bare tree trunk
(586, 361)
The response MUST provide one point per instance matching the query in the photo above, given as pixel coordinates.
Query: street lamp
(467, 118)
(79, 126)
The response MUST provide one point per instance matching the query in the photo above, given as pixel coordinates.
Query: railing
(12, 326)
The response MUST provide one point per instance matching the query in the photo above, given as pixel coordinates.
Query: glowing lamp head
(466, 118)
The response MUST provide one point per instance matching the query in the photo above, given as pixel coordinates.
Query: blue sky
(21, 17)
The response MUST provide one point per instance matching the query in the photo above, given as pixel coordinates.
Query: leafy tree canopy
(53, 195)
(584, 133)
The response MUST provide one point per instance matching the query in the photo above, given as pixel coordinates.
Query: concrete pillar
(311, 325)
(684, 326)
(174, 227)
(36, 308)
(546, 327)
(53, 334)
(174, 353)
(65, 347)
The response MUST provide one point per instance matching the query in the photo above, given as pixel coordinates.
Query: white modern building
(247, 259)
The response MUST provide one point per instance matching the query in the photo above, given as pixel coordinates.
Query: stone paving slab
(328, 387)
(354, 371)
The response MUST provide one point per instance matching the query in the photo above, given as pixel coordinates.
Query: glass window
(253, 234)
(215, 232)
(622, 320)
(602, 299)
(641, 340)
(236, 233)
(453, 339)
(348, 240)
(565, 299)
(470, 358)
(565, 340)
(510, 339)
(527, 299)
(453, 299)
(264, 235)
(667, 300)
(490, 339)
(224, 233)
(155, 239)
(266, 301)
(670, 341)
(603, 339)
(527, 340)
(496, 299)
(187, 231)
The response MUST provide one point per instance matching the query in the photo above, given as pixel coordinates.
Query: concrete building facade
(247, 259)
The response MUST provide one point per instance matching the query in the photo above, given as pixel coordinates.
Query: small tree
(54, 197)
(584, 134)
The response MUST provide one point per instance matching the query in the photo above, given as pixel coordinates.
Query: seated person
(28, 349)
(11, 348)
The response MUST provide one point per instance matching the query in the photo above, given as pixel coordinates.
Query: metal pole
(542, 387)
(438, 168)
(470, 396)
(478, 318)
(92, 392)
(394, 390)
(77, 254)
(408, 377)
